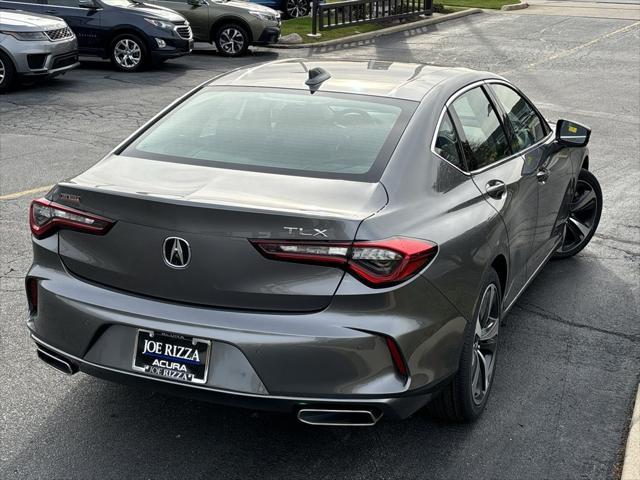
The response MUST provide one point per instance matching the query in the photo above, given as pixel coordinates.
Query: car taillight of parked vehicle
(46, 217)
(380, 263)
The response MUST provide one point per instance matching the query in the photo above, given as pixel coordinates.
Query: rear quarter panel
(432, 200)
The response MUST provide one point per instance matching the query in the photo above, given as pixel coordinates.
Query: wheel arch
(9, 56)
(123, 30)
(230, 20)
(585, 162)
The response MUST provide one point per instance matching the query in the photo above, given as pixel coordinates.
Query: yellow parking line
(12, 196)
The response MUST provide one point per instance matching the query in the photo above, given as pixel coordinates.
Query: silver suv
(33, 45)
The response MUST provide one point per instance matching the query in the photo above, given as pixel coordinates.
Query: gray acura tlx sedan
(339, 240)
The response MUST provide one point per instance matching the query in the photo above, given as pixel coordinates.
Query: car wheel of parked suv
(128, 53)
(297, 8)
(584, 215)
(232, 40)
(465, 397)
(6, 72)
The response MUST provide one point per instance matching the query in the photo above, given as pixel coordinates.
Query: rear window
(280, 131)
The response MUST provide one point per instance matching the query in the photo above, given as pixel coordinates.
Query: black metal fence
(327, 16)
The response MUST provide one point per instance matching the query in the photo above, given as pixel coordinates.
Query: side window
(64, 3)
(527, 125)
(485, 141)
(447, 142)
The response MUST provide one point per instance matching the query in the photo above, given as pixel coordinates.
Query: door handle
(496, 189)
(542, 175)
(50, 12)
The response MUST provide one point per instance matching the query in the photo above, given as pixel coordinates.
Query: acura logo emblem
(176, 252)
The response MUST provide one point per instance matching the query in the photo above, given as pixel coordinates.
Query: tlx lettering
(316, 232)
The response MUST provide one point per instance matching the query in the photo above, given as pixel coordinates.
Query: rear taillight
(46, 217)
(377, 263)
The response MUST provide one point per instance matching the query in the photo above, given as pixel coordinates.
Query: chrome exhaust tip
(56, 361)
(339, 418)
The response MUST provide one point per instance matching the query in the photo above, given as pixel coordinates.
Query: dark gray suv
(331, 239)
(130, 33)
(231, 25)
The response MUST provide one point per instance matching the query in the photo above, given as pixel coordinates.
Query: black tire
(459, 400)
(227, 38)
(129, 53)
(584, 216)
(297, 8)
(7, 73)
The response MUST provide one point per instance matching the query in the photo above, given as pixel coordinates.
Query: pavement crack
(617, 239)
(623, 250)
(541, 312)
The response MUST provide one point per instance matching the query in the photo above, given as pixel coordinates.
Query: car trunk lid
(216, 212)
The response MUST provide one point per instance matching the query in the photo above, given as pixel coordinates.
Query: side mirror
(572, 134)
(196, 3)
(87, 4)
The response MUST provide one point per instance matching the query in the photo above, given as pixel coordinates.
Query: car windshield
(280, 131)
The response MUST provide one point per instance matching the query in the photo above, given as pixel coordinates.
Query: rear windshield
(279, 131)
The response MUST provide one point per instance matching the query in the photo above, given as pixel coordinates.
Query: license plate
(172, 356)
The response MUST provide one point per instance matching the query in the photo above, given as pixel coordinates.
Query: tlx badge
(314, 232)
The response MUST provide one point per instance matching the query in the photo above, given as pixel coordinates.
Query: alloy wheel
(485, 343)
(297, 8)
(2, 71)
(232, 40)
(127, 53)
(582, 217)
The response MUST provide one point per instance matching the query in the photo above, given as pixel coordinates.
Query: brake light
(46, 217)
(377, 263)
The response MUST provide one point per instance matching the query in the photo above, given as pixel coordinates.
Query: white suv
(33, 45)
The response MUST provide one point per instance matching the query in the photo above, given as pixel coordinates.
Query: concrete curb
(360, 37)
(517, 6)
(631, 467)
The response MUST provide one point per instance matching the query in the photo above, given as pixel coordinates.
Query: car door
(504, 178)
(531, 136)
(196, 13)
(85, 22)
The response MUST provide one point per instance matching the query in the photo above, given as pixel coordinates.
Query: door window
(64, 3)
(528, 127)
(484, 141)
(447, 142)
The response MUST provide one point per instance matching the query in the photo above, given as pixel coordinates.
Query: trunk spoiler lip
(312, 213)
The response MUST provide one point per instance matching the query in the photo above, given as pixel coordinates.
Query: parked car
(332, 239)
(232, 25)
(290, 8)
(34, 46)
(130, 33)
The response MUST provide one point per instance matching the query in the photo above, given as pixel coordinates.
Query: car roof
(409, 81)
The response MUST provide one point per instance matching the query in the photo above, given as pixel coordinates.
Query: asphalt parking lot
(570, 351)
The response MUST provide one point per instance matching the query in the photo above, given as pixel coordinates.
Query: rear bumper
(393, 407)
(271, 361)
